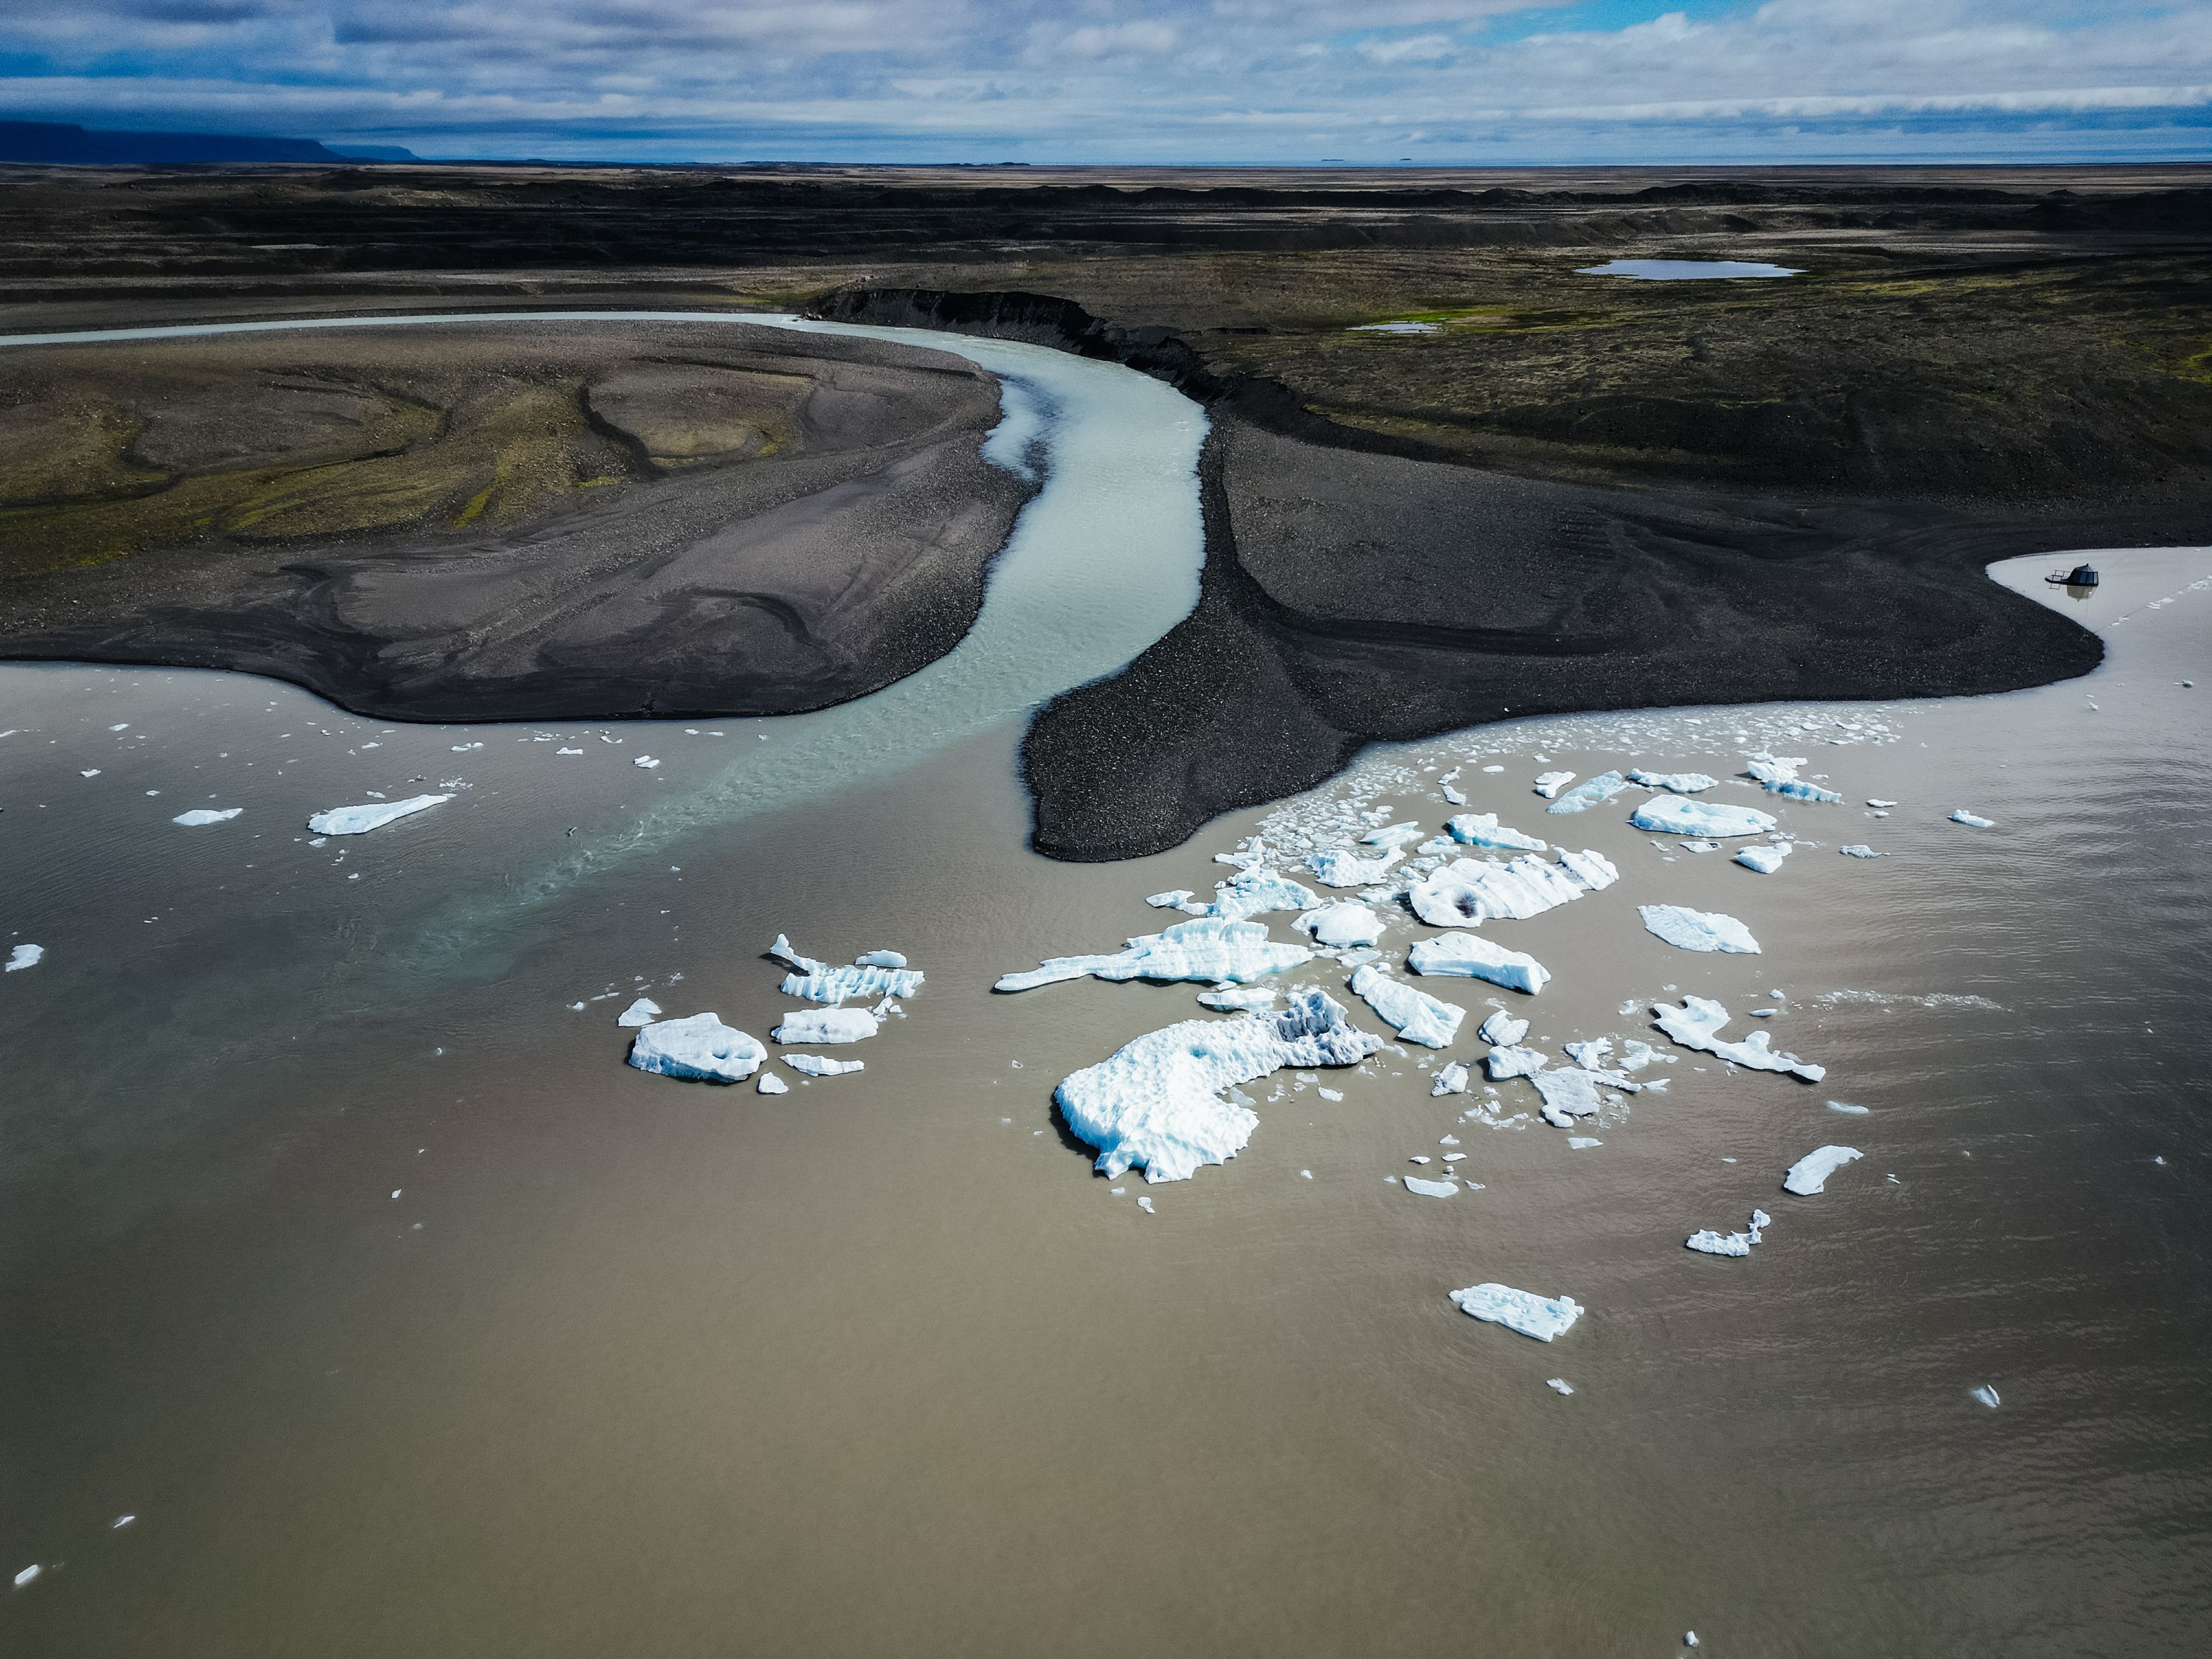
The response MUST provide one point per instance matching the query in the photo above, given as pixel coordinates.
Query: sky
(1444, 82)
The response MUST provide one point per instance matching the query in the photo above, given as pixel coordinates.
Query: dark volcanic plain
(1577, 493)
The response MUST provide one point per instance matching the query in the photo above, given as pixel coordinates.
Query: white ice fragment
(1773, 768)
(1582, 1143)
(1394, 835)
(1548, 784)
(1510, 1059)
(770, 1084)
(1483, 829)
(1175, 899)
(1884, 805)
(122, 727)
(1205, 948)
(823, 1065)
(643, 1012)
(27, 1574)
(645, 761)
(1340, 866)
(1430, 1188)
(22, 957)
(1680, 783)
(892, 959)
(832, 1025)
(1572, 1093)
(700, 1047)
(1859, 850)
(1249, 892)
(557, 751)
(1541, 1317)
(1455, 797)
(1238, 1000)
(1503, 1030)
(1765, 858)
(1707, 1241)
(1984, 1395)
(833, 985)
(90, 772)
(200, 816)
(1798, 789)
(359, 820)
(1973, 820)
(1695, 846)
(1847, 1109)
(1450, 1080)
(1591, 1055)
(1333, 1095)
(1697, 1024)
(1417, 1016)
(1145, 1205)
(1156, 1102)
(1341, 925)
(1587, 794)
(1469, 892)
(1469, 956)
(1558, 1385)
(1810, 1173)
(1697, 930)
(1671, 815)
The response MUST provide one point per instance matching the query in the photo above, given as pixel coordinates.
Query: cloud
(1419, 49)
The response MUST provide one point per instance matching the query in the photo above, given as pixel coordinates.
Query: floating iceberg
(1341, 925)
(1670, 814)
(1697, 930)
(1340, 866)
(359, 820)
(1680, 783)
(1541, 1317)
(1243, 999)
(1469, 892)
(24, 956)
(1797, 789)
(1483, 829)
(770, 1084)
(700, 1047)
(882, 959)
(1205, 948)
(1449, 1080)
(873, 975)
(1765, 858)
(823, 1065)
(1395, 834)
(1773, 768)
(1430, 1188)
(1984, 1395)
(1548, 784)
(1810, 1173)
(1511, 1060)
(1558, 1385)
(1973, 820)
(1591, 1055)
(1707, 1241)
(1876, 801)
(1501, 1029)
(1859, 850)
(1249, 892)
(826, 1025)
(645, 761)
(1589, 793)
(1157, 1101)
(643, 1012)
(1417, 1016)
(1573, 1093)
(1174, 899)
(1469, 956)
(1697, 1024)
(200, 816)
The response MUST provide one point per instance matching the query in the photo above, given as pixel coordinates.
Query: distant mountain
(65, 144)
(374, 152)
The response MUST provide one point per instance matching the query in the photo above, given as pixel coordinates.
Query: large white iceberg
(818, 982)
(1680, 783)
(1541, 1317)
(1205, 948)
(1469, 956)
(1589, 793)
(1765, 858)
(1469, 892)
(200, 816)
(1417, 1016)
(700, 1047)
(1698, 930)
(1671, 815)
(1157, 1102)
(359, 820)
(1810, 1173)
(1341, 925)
(1249, 892)
(823, 1065)
(1697, 1024)
(1483, 829)
(826, 1025)
(1340, 866)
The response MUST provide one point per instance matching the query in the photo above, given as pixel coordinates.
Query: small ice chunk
(1417, 1016)
(1572, 1093)
(700, 1047)
(1449, 1080)
(1469, 892)
(1973, 820)
(645, 761)
(1697, 930)
(643, 1012)
(1707, 1241)
(1541, 1317)
(1671, 815)
(1548, 784)
(1483, 829)
(1591, 1055)
(1333, 1095)
(1457, 796)
(90, 772)
(1859, 850)
(1773, 768)
(1680, 783)
(1469, 956)
(27, 1574)
(1884, 805)
(1157, 1101)
(1810, 1173)
(823, 1065)
(1582, 1143)
(359, 820)
(882, 959)
(1240, 999)
(1697, 1024)
(1766, 857)
(1249, 892)
(1205, 948)
(1847, 1109)
(1430, 1188)
(557, 751)
(770, 1084)
(1798, 789)
(24, 956)
(1145, 1205)
(1394, 835)
(200, 816)
(1342, 925)
(1510, 1059)
(1984, 1395)
(1696, 846)
(1589, 793)
(1340, 866)
(1173, 899)
(833, 1025)
(1502, 1030)
(1558, 1385)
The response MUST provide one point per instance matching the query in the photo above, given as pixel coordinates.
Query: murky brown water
(880, 1365)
